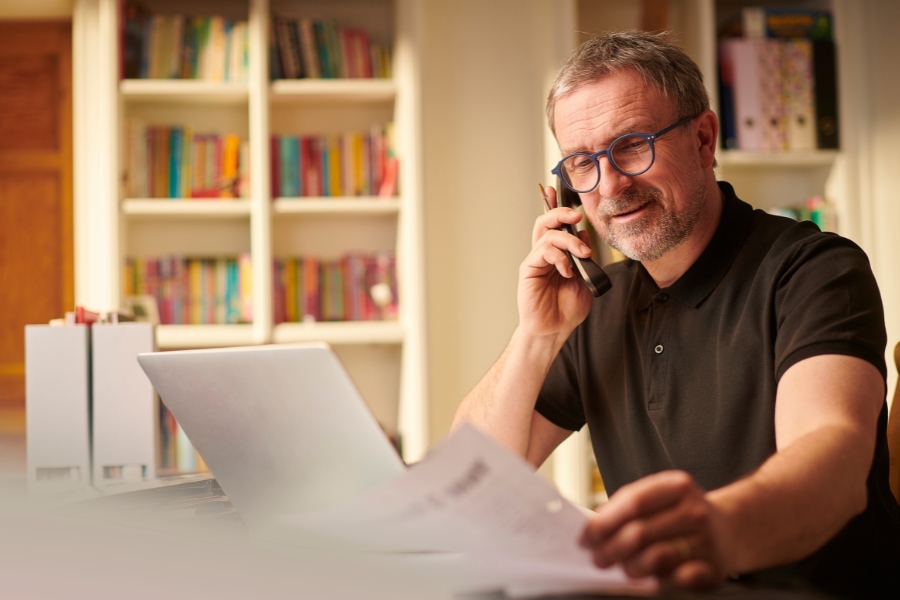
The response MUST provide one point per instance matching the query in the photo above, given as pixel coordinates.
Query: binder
(124, 405)
(824, 71)
(57, 402)
(771, 96)
(742, 58)
(798, 94)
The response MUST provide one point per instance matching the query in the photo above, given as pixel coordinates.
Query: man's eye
(632, 145)
(579, 164)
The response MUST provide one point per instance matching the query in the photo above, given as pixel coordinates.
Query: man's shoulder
(778, 238)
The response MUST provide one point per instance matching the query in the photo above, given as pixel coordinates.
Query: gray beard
(654, 233)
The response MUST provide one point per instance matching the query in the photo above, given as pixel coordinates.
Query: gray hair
(655, 56)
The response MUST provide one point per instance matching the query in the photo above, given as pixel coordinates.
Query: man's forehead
(617, 103)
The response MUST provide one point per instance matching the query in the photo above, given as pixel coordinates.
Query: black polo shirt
(685, 377)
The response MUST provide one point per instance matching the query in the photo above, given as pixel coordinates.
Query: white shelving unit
(113, 227)
(154, 207)
(765, 180)
(183, 90)
(332, 206)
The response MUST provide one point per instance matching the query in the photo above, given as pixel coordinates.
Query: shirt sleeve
(560, 398)
(827, 302)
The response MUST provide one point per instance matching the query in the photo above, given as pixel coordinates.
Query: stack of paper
(472, 496)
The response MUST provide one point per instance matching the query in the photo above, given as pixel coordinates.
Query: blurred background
(436, 118)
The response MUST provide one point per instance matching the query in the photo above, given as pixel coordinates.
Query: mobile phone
(592, 275)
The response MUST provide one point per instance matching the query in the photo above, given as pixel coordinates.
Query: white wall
(881, 47)
(485, 66)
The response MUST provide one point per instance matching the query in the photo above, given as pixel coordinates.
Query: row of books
(347, 164)
(320, 49)
(814, 209)
(778, 92)
(194, 291)
(356, 287)
(211, 48)
(176, 453)
(172, 161)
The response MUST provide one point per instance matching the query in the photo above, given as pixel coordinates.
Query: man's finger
(636, 500)
(677, 523)
(659, 559)
(553, 220)
(551, 195)
(695, 574)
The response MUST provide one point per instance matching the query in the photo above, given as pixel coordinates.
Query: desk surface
(185, 540)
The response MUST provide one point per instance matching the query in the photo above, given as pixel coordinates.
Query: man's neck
(668, 268)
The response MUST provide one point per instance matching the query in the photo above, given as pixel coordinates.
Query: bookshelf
(764, 179)
(386, 358)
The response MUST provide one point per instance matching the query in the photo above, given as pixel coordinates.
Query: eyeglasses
(630, 154)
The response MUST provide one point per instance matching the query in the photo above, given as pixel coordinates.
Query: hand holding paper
(470, 495)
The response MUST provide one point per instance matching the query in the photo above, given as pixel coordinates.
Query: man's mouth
(631, 211)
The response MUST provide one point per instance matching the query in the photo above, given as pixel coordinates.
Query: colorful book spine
(192, 290)
(183, 47)
(176, 162)
(321, 49)
(176, 453)
(348, 164)
(355, 287)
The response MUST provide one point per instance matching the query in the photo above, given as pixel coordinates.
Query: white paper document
(472, 496)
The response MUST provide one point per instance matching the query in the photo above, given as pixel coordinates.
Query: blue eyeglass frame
(649, 137)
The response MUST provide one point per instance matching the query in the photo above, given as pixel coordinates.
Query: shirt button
(659, 349)
(662, 297)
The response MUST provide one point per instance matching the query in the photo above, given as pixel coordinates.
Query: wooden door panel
(29, 114)
(30, 256)
(36, 275)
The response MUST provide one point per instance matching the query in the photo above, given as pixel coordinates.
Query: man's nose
(612, 182)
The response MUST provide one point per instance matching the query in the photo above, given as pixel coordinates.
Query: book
(758, 22)
(307, 38)
(176, 162)
(288, 50)
(349, 164)
(157, 46)
(314, 48)
(192, 290)
(310, 288)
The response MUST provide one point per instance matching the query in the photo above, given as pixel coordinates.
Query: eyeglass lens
(632, 155)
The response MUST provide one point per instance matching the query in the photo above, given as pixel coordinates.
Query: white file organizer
(124, 405)
(57, 404)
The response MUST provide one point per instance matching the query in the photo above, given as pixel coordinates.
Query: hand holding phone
(591, 274)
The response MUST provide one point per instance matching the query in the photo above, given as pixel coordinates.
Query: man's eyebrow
(615, 135)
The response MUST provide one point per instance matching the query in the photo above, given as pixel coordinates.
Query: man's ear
(707, 137)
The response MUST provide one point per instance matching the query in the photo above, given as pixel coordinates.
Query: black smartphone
(592, 275)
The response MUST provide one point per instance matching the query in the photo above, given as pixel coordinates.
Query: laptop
(282, 427)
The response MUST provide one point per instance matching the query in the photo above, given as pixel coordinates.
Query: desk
(185, 540)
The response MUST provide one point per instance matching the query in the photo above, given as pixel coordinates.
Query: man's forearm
(503, 401)
(797, 500)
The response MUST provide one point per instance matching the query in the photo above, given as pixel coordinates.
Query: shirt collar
(704, 275)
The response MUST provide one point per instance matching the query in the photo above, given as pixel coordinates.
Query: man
(733, 378)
